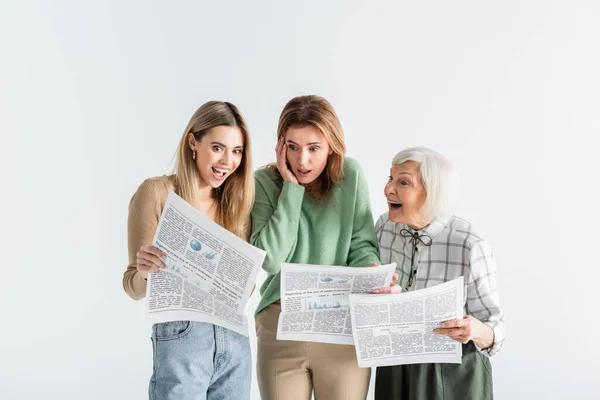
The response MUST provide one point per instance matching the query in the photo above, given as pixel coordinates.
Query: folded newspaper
(398, 328)
(314, 300)
(209, 271)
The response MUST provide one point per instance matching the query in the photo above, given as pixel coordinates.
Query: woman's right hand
(149, 260)
(284, 170)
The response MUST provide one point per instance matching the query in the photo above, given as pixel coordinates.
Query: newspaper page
(209, 271)
(314, 300)
(397, 329)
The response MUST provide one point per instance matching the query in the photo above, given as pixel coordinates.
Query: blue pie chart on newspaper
(195, 245)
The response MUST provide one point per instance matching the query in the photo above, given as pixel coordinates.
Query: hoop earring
(194, 155)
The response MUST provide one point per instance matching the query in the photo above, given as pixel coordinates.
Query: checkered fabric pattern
(456, 251)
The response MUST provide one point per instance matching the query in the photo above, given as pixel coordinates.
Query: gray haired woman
(431, 246)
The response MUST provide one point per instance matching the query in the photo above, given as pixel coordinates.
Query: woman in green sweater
(311, 207)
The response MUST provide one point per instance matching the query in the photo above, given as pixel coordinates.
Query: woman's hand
(392, 289)
(468, 328)
(284, 170)
(149, 260)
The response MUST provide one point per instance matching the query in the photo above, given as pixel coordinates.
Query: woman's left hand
(392, 289)
(466, 329)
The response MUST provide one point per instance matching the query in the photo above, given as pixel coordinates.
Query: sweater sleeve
(144, 213)
(275, 226)
(363, 245)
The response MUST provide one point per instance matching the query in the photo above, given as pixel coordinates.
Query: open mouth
(394, 206)
(219, 173)
(304, 172)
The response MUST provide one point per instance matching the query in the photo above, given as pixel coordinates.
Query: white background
(94, 98)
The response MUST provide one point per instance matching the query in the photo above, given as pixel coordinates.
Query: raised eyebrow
(402, 173)
(222, 145)
(309, 144)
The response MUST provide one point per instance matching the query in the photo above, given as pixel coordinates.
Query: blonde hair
(236, 195)
(317, 112)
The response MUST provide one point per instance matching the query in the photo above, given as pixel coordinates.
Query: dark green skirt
(470, 380)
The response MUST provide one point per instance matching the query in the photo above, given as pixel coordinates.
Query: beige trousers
(292, 370)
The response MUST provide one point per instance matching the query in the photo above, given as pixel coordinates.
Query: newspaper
(209, 271)
(314, 300)
(397, 329)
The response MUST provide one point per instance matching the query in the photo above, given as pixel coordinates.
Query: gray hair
(439, 178)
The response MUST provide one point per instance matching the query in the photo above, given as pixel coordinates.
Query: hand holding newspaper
(315, 303)
(209, 271)
(397, 329)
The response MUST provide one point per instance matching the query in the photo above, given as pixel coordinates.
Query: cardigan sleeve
(144, 214)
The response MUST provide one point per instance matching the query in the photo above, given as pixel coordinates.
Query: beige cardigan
(145, 209)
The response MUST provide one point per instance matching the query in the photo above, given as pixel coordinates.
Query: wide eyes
(312, 149)
(218, 149)
(402, 182)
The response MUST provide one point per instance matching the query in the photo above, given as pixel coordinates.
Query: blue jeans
(200, 361)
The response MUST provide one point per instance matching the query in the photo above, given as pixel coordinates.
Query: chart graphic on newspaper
(314, 300)
(209, 271)
(398, 329)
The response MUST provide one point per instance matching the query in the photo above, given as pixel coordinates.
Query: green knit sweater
(293, 227)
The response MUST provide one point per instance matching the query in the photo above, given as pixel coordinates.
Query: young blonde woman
(311, 207)
(195, 360)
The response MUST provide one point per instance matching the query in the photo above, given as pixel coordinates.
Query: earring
(194, 155)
